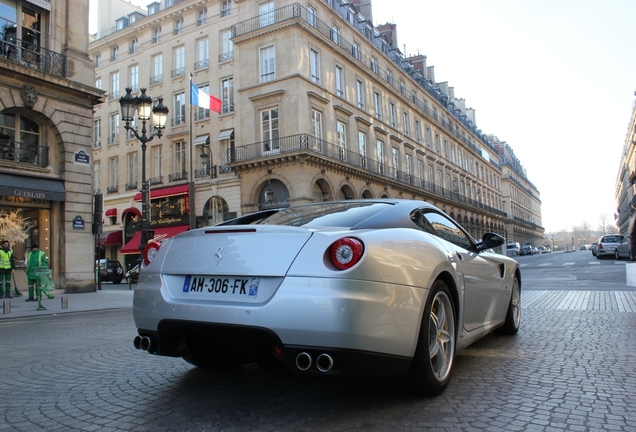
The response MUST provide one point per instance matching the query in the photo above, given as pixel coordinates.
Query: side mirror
(490, 240)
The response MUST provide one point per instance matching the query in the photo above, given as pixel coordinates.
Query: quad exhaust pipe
(324, 362)
(144, 343)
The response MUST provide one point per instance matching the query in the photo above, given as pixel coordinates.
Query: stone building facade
(317, 104)
(47, 96)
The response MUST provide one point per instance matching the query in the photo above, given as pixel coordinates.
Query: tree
(13, 227)
(604, 225)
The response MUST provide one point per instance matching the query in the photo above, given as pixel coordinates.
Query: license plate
(229, 287)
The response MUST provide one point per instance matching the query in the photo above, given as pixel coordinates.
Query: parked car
(607, 244)
(547, 249)
(623, 250)
(513, 249)
(583, 247)
(132, 275)
(357, 287)
(527, 250)
(593, 248)
(110, 271)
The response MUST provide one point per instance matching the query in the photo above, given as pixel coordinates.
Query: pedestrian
(7, 264)
(35, 260)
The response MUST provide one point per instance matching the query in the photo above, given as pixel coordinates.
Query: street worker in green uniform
(7, 264)
(36, 264)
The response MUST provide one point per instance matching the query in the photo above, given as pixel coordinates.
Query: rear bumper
(334, 314)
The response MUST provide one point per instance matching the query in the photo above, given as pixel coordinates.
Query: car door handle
(460, 256)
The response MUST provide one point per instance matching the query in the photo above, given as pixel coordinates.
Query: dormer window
(226, 7)
(153, 8)
(202, 17)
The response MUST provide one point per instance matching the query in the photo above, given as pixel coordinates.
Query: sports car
(350, 288)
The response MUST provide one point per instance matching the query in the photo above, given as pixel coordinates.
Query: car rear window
(612, 239)
(326, 215)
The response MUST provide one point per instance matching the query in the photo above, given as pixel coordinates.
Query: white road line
(545, 264)
(594, 263)
(568, 263)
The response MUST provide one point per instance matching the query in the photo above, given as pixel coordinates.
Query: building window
(335, 35)
(113, 174)
(311, 16)
(134, 45)
(389, 77)
(227, 95)
(226, 7)
(396, 162)
(157, 67)
(429, 138)
(362, 145)
(269, 131)
(178, 26)
(178, 116)
(360, 94)
(393, 114)
(179, 62)
(342, 141)
(202, 17)
(203, 58)
(355, 50)
(379, 147)
(374, 65)
(113, 137)
(114, 85)
(227, 47)
(156, 162)
(418, 131)
(314, 65)
(407, 162)
(97, 133)
(133, 74)
(316, 124)
(377, 100)
(97, 177)
(98, 83)
(420, 172)
(132, 171)
(266, 14)
(446, 150)
(98, 60)
(156, 34)
(339, 82)
(268, 69)
(114, 53)
(179, 157)
(407, 125)
(438, 147)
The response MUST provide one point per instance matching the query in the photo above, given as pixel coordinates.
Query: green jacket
(35, 260)
(6, 259)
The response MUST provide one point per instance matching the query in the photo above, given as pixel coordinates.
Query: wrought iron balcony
(24, 153)
(112, 189)
(177, 176)
(155, 180)
(304, 143)
(23, 52)
(202, 64)
(205, 172)
(131, 186)
(225, 57)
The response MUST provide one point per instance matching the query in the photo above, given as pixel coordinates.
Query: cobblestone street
(569, 368)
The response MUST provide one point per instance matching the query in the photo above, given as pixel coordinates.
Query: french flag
(201, 99)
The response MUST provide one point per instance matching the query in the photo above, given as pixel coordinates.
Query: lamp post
(142, 104)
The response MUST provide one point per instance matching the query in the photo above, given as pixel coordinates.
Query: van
(513, 249)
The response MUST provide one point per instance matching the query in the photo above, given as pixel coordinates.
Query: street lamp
(142, 104)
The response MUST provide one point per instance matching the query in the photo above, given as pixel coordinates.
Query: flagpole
(192, 213)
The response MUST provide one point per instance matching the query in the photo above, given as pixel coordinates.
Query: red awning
(133, 210)
(113, 238)
(165, 192)
(111, 212)
(132, 247)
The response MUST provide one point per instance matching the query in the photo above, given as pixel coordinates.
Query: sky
(555, 79)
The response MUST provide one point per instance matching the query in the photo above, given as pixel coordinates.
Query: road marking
(568, 263)
(606, 301)
(545, 264)
(594, 263)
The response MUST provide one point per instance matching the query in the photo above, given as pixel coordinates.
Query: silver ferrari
(351, 288)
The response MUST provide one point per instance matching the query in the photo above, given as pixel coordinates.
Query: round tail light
(346, 252)
(150, 252)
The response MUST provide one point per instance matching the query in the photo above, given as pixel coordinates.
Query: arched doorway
(320, 191)
(273, 194)
(346, 193)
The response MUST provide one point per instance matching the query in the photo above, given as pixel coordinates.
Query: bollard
(6, 307)
(64, 301)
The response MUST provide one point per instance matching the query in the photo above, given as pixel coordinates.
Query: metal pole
(144, 194)
(191, 210)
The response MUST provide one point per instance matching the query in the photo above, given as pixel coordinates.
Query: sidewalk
(111, 296)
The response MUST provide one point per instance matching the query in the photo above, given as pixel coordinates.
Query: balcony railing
(177, 176)
(205, 172)
(131, 186)
(225, 57)
(308, 143)
(24, 153)
(178, 72)
(178, 120)
(201, 64)
(156, 79)
(111, 189)
(34, 56)
(155, 180)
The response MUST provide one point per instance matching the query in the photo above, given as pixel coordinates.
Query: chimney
(389, 31)
(430, 73)
(419, 63)
(365, 8)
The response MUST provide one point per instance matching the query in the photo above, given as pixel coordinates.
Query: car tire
(434, 357)
(513, 315)
(616, 255)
